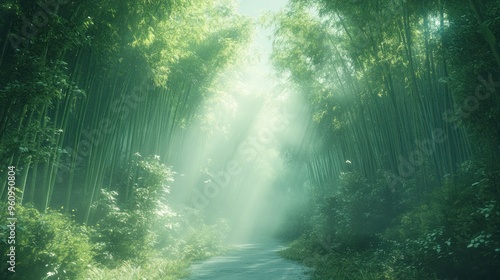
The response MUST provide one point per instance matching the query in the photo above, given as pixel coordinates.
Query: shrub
(354, 212)
(154, 269)
(380, 264)
(124, 229)
(48, 246)
(121, 234)
(204, 241)
(456, 231)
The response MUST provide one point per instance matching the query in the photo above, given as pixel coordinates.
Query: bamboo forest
(240, 139)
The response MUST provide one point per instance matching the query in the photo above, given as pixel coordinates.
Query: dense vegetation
(91, 93)
(120, 120)
(404, 95)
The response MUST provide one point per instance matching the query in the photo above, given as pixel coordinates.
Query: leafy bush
(143, 224)
(452, 232)
(48, 246)
(205, 241)
(355, 213)
(124, 229)
(351, 264)
(153, 269)
(456, 232)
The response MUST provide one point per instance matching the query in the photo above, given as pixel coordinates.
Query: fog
(235, 157)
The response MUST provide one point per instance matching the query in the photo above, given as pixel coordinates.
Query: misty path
(252, 260)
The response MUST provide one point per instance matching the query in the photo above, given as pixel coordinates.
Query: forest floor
(249, 261)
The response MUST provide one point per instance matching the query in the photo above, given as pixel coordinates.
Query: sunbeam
(249, 139)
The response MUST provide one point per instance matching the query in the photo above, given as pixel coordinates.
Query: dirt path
(256, 260)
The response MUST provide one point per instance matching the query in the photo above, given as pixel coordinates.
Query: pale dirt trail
(251, 261)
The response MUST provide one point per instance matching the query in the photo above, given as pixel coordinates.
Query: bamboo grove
(389, 168)
(89, 86)
(378, 81)
(404, 97)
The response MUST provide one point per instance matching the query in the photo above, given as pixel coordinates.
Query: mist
(242, 138)
(225, 139)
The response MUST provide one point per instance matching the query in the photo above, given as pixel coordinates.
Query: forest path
(255, 260)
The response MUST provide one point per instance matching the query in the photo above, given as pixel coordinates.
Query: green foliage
(349, 264)
(204, 241)
(474, 78)
(378, 77)
(355, 213)
(143, 208)
(456, 231)
(48, 246)
(30, 132)
(144, 66)
(157, 228)
(202, 35)
(117, 240)
(139, 237)
(154, 269)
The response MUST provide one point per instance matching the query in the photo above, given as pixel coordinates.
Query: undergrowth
(142, 236)
(155, 268)
(452, 233)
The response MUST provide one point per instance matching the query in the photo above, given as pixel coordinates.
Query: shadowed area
(253, 260)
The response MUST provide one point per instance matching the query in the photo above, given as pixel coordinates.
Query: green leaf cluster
(48, 246)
